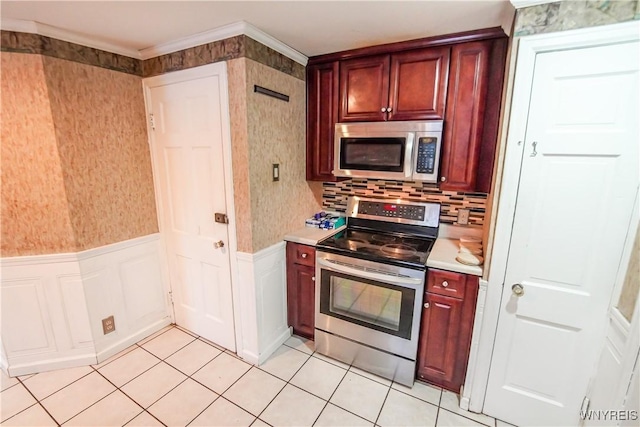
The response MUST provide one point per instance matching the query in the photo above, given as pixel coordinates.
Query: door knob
(518, 289)
(219, 244)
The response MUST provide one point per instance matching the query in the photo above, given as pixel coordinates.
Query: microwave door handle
(411, 281)
(408, 156)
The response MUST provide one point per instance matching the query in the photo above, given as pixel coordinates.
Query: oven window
(379, 154)
(368, 303)
(375, 305)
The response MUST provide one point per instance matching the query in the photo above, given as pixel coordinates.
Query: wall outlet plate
(108, 325)
(463, 216)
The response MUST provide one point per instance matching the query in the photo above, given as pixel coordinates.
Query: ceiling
(310, 27)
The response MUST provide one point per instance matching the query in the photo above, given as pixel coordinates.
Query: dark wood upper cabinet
(457, 78)
(418, 84)
(322, 115)
(364, 89)
(405, 86)
(472, 115)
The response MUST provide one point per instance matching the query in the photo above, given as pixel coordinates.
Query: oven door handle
(368, 274)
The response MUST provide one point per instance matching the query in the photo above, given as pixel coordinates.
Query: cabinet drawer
(301, 254)
(446, 283)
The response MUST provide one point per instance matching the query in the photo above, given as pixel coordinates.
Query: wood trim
(466, 36)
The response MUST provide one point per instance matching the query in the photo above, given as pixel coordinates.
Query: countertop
(443, 256)
(310, 235)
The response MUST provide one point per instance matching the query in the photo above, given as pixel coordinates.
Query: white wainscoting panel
(53, 305)
(44, 314)
(263, 291)
(465, 395)
(124, 280)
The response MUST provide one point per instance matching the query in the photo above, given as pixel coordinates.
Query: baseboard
(273, 346)
(51, 364)
(117, 347)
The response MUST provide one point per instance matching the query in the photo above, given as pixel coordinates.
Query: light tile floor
(175, 378)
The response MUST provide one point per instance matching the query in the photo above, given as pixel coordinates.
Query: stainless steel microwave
(403, 151)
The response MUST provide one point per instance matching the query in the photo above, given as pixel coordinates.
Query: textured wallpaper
(35, 218)
(276, 131)
(569, 15)
(101, 134)
(237, 79)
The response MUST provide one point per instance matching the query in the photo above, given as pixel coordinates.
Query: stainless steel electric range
(370, 284)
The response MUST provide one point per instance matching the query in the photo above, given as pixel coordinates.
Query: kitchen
(259, 264)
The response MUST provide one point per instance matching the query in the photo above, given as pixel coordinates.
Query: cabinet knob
(304, 255)
(443, 179)
(445, 284)
(313, 279)
(426, 305)
(388, 109)
(383, 109)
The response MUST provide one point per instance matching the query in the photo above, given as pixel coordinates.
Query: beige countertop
(310, 235)
(443, 256)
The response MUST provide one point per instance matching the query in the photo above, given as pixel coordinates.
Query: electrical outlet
(463, 216)
(108, 325)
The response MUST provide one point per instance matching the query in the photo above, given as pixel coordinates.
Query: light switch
(276, 172)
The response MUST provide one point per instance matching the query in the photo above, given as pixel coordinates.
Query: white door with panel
(189, 123)
(578, 181)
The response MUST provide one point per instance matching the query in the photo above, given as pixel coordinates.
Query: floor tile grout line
(137, 376)
(382, 406)
(468, 418)
(61, 388)
(38, 402)
(336, 405)
(218, 396)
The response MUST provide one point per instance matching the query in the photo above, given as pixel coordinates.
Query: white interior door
(189, 126)
(578, 180)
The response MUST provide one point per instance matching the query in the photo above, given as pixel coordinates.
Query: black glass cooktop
(380, 246)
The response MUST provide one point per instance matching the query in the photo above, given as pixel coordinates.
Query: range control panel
(392, 210)
(426, 160)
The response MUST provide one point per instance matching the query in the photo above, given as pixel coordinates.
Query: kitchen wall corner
(264, 131)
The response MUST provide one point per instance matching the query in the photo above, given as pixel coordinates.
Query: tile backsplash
(335, 195)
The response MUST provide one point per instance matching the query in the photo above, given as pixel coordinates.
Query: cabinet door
(322, 114)
(439, 338)
(364, 89)
(301, 299)
(418, 84)
(466, 100)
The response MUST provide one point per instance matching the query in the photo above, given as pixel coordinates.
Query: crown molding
(33, 27)
(221, 33)
(519, 4)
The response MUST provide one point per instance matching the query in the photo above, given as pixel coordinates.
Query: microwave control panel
(426, 159)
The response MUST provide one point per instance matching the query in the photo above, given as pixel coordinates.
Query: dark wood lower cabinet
(301, 289)
(445, 333)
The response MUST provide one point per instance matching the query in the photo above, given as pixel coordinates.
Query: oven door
(374, 304)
